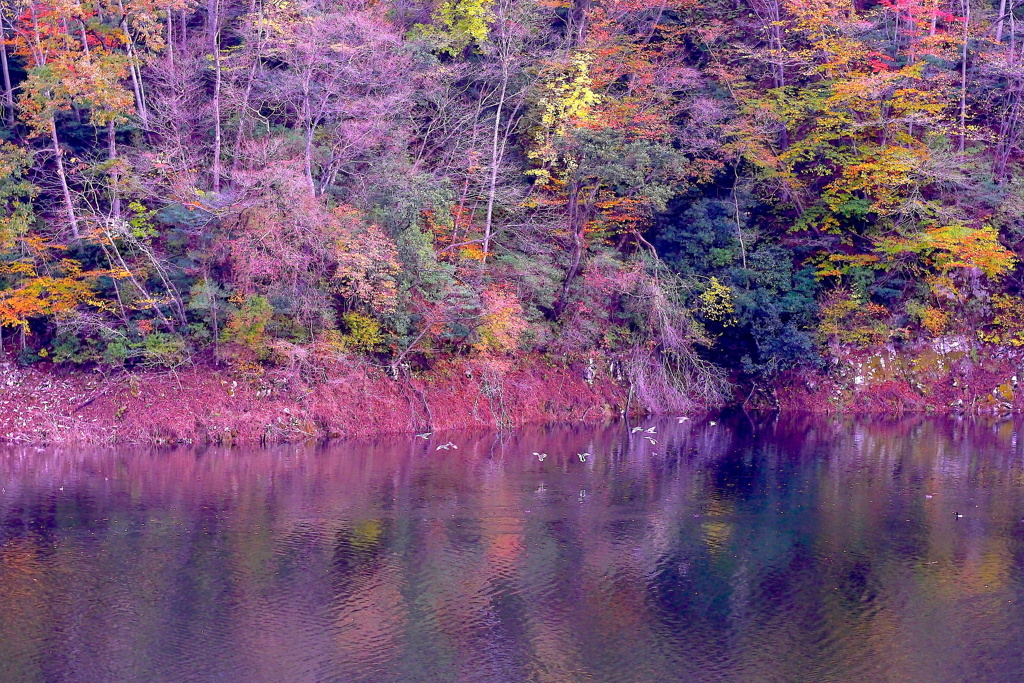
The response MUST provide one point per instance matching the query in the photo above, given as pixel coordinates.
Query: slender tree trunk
(138, 285)
(239, 134)
(1007, 137)
(963, 77)
(578, 21)
(135, 69)
(307, 115)
(308, 158)
(62, 175)
(8, 90)
(216, 96)
(578, 222)
(115, 174)
(170, 39)
(736, 208)
(495, 162)
(776, 32)
(935, 18)
(211, 290)
(1012, 49)
(137, 88)
(999, 22)
(117, 288)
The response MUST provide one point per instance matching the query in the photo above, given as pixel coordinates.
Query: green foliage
(1007, 324)
(163, 350)
(363, 333)
(247, 325)
(673, 186)
(457, 25)
(849, 319)
(16, 196)
(140, 222)
(771, 326)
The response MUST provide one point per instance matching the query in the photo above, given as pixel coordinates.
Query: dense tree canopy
(701, 192)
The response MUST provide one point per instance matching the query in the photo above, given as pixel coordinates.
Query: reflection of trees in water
(759, 547)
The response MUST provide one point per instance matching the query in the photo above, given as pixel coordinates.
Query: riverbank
(250, 404)
(232, 406)
(946, 375)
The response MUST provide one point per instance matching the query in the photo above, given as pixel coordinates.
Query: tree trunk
(578, 222)
(62, 175)
(216, 96)
(115, 174)
(135, 70)
(963, 78)
(776, 32)
(239, 134)
(140, 99)
(1012, 48)
(999, 22)
(170, 39)
(8, 90)
(495, 162)
(308, 158)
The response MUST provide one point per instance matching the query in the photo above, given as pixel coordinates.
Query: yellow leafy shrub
(248, 325)
(1007, 326)
(934, 320)
(502, 323)
(364, 333)
(716, 303)
(847, 319)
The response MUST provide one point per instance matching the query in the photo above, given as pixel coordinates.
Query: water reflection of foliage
(763, 547)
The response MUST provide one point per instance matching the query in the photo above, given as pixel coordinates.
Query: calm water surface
(789, 549)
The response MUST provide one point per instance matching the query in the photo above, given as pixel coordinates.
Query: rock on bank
(951, 374)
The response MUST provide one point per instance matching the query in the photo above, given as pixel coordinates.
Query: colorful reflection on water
(754, 549)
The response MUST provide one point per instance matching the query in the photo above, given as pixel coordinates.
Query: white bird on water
(424, 435)
(652, 430)
(446, 446)
(540, 456)
(634, 430)
(682, 419)
(583, 456)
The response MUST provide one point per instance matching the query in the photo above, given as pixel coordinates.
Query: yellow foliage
(1007, 325)
(945, 250)
(847, 319)
(457, 25)
(567, 98)
(934, 320)
(47, 295)
(472, 252)
(364, 333)
(367, 261)
(247, 326)
(716, 303)
(958, 246)
(503, 322)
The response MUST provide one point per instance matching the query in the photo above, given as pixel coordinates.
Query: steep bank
(947, 375)
(216, 405)
(44, 404)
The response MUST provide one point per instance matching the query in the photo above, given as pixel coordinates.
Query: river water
(743, 549)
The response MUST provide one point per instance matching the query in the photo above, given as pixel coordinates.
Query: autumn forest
(699, 195)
